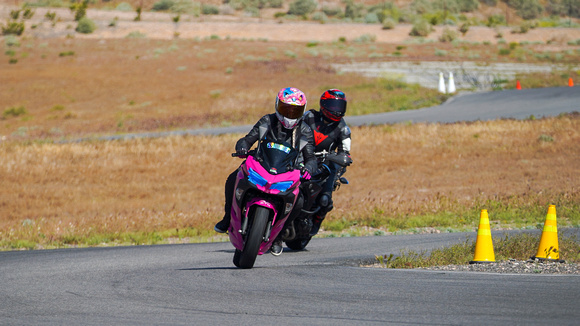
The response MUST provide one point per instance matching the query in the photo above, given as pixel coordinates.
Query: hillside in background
(545, 13)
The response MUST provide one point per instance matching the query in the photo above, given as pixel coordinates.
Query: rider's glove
(305, 175)
(241, 149)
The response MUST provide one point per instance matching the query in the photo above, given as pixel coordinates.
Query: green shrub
(11, 40)
(79, 8)
(528, 9)
(389, 23)
(331, 11)
(163, 5)
(468, 5)
(421, 6)
(301, 7)
(275, 3)
(464, 28)
(319, 16)
(13, 28)
(372, 18)
(86, 26)
(353, 10)
(421, 28)
(495, 20)
(208, 9)
(124, 6)
(13, 112)
(504, 51)
(448, 35)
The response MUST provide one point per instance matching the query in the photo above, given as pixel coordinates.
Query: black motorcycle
(297, 233)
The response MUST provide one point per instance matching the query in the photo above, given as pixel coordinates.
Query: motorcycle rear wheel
(298, 244)
(247, 257)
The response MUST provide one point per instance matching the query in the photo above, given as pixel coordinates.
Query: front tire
(246, 257)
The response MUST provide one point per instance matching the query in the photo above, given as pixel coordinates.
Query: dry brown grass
(132, 85)
(66, 193)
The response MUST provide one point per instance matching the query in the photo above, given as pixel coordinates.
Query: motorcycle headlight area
(255, 178)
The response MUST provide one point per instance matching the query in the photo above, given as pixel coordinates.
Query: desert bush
(163, 5)
(353, 10)
(389, 23)
(301, 7)
(86, 26)
(208, 9)
(365, 38)
(524, 27)
(495, 20)
(491, 3)
(275, 3)
(79, 8)
(13, 28)
(332, 10)
(11, 40)
(448, 35)
(372, 18)
(421, 6)
(319, 16)
(13, 112)
(28, 13)
(464, 28)
(527, 9)
(124, 6)
(468, 5)
(451, 6)
(421, 28)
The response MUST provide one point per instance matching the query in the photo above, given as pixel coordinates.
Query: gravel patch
(513, 266)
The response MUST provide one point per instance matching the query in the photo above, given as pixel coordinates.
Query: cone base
(482, 262)
(548, 259)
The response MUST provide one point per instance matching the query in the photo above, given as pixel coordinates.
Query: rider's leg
(223, 225)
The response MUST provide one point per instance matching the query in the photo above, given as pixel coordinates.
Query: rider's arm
(310, 162)
(344, 138)
(246, 142)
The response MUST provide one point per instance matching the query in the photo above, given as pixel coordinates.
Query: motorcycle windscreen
(277, 157)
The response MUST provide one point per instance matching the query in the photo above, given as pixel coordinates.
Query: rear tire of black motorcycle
(298, 244)
(254, 240)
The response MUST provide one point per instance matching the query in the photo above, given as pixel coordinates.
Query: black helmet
(333, 104)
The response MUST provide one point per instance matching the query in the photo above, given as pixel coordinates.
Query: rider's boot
(223, 225)
(316, 222)
(276, 248)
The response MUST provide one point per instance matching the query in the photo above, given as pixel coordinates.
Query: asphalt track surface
(197, 284)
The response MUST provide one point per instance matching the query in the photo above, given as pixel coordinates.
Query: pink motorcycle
(266, 190)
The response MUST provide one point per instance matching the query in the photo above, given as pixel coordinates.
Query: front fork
(248, 209)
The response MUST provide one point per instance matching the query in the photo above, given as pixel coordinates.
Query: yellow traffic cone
(548, 248)
(483, 245)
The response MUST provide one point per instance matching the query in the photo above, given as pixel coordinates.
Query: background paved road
(513, 104)
(197, 284)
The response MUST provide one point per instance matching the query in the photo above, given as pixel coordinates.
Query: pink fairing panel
(293, 175)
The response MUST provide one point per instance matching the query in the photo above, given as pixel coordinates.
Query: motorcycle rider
(330, 134)
(285, 125)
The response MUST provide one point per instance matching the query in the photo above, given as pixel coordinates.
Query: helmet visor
(290, 111)
(336, 107)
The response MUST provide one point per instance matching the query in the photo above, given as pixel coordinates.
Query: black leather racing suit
(329, 136)
(270, 128)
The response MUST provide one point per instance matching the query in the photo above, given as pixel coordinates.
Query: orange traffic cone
(570, 82)
(483, 245)
(518, 85)
(548, 248)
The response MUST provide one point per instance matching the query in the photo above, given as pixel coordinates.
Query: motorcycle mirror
(343, 180)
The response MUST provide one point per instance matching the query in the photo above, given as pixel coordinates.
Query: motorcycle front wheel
(247, 257)
(298, 244)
